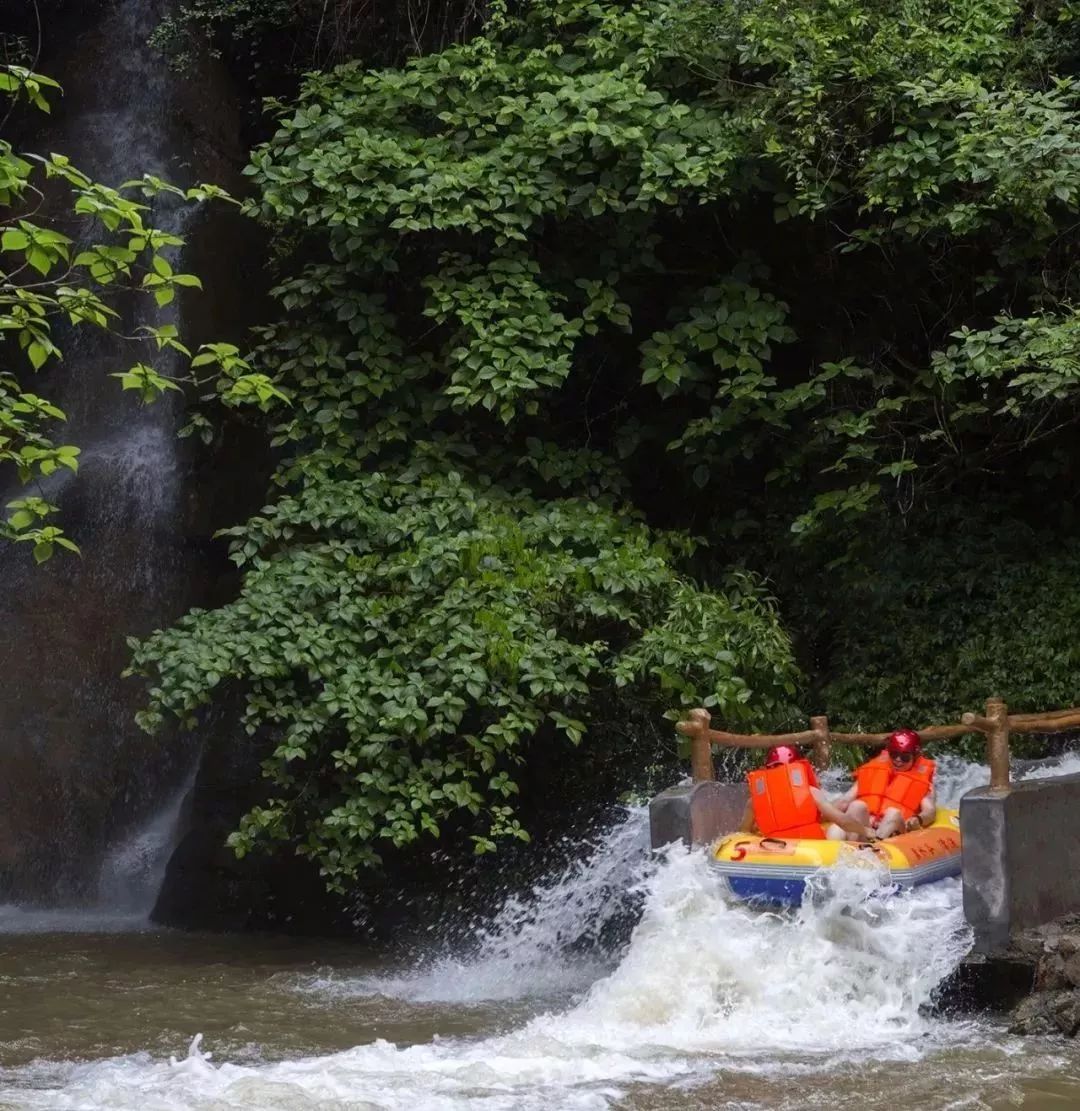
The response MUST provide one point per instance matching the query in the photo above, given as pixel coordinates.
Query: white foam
(703, 982)
(541, 943)
(705, 987)
(956, 776)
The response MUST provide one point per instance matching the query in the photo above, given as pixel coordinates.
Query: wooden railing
(996, 723)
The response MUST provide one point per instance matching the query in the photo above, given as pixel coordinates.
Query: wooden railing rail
(995, 723)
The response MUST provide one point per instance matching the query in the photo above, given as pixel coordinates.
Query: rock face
(1035, 979)
(1048, 1012)
(1054, 1005)
(207, 888)
(79, 776)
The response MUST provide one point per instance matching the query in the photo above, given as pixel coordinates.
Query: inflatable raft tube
(772, 871)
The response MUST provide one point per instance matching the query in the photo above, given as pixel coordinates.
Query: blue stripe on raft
(784, 885)
(770, 891)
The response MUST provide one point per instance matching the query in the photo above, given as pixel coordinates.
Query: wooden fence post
(822, 750)
(701, 763)
(997, 742)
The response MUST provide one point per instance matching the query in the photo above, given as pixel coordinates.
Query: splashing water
(955, 776)
(703, 984)
(548, 941)
(706, 993)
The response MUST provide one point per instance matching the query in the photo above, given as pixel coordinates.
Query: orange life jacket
(782, 802)
(908, 788)
(872, 781)
(883, 789)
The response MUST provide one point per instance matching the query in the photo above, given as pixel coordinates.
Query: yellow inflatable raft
(773, 871)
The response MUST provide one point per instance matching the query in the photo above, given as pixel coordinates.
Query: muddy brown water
(70, 1003)
(708, 1004)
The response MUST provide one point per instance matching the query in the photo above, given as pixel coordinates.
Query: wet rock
(1048, 1012)
(1070, 969)
(1050, 973)
(1053, 953)
(208, 888)
(985, 983)
(79, 775)
(1036, 979)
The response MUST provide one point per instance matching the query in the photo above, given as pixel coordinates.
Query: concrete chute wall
(1020, 863)
(696, 813)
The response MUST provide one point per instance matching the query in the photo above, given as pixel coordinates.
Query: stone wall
(696, 814)
(1019, 864)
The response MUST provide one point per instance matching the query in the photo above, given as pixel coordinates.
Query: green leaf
(14, 240)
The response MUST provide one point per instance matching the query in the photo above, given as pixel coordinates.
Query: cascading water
(708, 1005)
(133, 870)
(129, 880)
(550, 938)
(78, 774)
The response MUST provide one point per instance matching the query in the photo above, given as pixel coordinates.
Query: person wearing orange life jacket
(893, 791)
(786, 802)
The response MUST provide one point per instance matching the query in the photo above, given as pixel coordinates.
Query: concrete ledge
(1020, 857)
(696, 814)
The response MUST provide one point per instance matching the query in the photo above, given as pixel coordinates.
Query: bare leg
(857, 811)
(892, 822)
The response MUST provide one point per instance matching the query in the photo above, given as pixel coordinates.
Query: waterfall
(79, 776)
(133, 870)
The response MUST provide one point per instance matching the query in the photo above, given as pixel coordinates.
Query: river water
(704, 1005)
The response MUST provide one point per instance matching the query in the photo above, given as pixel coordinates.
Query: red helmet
(904, 742)
(781, 754)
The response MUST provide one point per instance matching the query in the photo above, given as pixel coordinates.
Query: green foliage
(48, 277)
(573, 144)
(276, 38)
(934, 628)
(811, 259)
(408, 635)
(939, 140)
(194, 29)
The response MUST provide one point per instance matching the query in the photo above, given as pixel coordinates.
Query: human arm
(925, 817)
(928, 809)
(747, 823)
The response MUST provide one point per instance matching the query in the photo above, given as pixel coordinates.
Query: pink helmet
(905, 742)
(781, 754)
